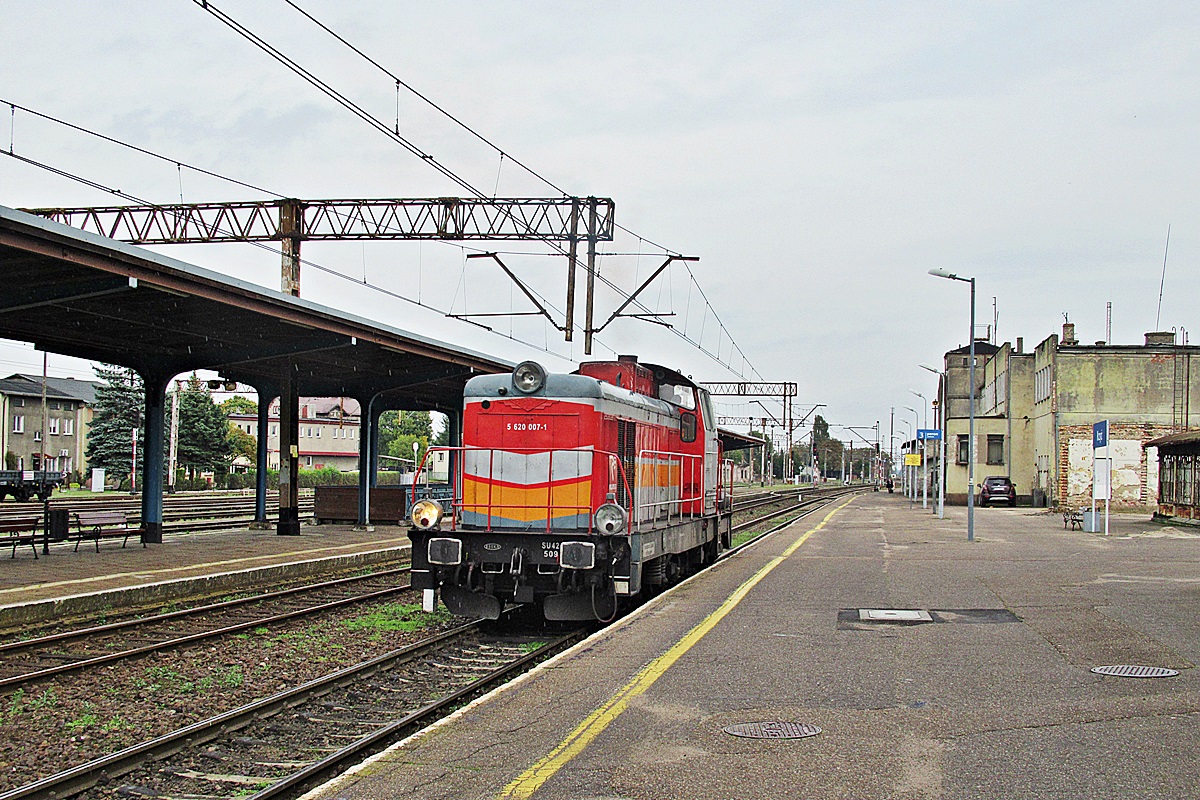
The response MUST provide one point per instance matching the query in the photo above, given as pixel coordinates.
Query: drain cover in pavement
(893, 615)
(1131, 671)
(772, 730)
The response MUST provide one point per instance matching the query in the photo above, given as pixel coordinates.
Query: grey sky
(818, 157)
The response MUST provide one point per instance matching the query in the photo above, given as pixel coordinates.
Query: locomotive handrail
(689, 459)
(458, 502)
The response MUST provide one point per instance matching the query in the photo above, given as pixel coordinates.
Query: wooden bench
(1072, 517)
(18, 531)
(97, 525)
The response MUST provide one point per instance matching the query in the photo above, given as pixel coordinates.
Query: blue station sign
(1100, 434)
(933, 434)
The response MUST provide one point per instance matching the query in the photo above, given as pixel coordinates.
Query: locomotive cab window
(682, 396)
(687, 427)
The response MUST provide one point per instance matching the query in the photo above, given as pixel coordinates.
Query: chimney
(631, 359)
(1068, 337)
(1160, 338)
(1020, 344)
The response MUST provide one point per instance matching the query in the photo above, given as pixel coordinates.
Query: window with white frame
(18, 423)
(68, 427)
(53, 426)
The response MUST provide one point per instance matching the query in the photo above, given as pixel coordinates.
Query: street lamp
(942, 442)
(904, 472)
(924, 460)
(916, 430)
(941, 273)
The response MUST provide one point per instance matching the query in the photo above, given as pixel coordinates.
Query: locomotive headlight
(610, 518)
(528, 377)
(426, 514)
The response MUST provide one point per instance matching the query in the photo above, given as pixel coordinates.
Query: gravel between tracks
(52, 725)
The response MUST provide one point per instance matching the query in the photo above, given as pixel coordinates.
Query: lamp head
(931, 369)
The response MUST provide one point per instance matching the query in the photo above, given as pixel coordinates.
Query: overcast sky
(819, 158)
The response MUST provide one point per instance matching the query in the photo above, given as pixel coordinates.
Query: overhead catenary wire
(503, 155)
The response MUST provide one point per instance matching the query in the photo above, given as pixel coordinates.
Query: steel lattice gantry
(80, 294)
(291, 221)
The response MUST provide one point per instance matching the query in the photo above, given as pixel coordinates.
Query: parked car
(997, 489)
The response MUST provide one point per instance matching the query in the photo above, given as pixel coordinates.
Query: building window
(318, 433)
(37, 436)
(963, 449)
(68, 427)
(995, 448)
(54, 406)
(53, 422)
(18, 423)
(274, 430)
(308, 461)
(18, 401)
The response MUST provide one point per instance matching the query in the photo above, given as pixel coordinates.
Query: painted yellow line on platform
(191, 568)
(595, 723)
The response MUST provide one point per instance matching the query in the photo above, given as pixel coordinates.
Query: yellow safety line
(191, 567)
(595, 723)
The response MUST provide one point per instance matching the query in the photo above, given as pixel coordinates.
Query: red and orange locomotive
(576, 491)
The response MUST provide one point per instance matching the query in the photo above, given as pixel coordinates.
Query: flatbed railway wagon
(577, 492)
(24, 484)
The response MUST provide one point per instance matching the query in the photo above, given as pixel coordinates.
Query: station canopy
(83, 295)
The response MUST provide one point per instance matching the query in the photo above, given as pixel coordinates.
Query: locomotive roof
(564, 386)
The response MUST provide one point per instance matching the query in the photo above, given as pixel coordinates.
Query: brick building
(1034, 414)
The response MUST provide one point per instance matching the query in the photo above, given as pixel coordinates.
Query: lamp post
(924, 460)
(941, 273)
(904, 476)
(916, 428)
(942, 442)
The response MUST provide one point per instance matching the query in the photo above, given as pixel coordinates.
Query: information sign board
(932, 434)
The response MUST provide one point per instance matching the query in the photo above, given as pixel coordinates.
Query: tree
(237, 404)
(204, 442)
(120, 400)
(242, 443)
(399, 429)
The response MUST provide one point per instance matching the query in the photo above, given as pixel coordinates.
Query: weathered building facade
(62, 446)
(1035, 411)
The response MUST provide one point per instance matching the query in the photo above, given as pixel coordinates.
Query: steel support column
(289, 454)
(152, 458)
(368, 446)
(265, 396)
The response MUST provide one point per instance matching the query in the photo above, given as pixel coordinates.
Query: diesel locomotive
(577, 492)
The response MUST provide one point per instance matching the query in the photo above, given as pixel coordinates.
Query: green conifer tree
(120, 401)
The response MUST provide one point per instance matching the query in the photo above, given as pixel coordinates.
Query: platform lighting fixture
(924, 462)
(942, 442)
(916, 433)
(941, 273)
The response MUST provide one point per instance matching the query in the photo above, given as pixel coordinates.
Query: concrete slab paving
(994, 699)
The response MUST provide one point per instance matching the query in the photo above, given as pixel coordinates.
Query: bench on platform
(18, 531)
(97, 525)
(1072, 517)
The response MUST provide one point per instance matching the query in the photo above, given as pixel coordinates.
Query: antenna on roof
(1161, 283)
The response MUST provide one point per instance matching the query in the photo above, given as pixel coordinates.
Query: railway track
(812, 500)
(180, 512)
(281, 745)
(38, 659)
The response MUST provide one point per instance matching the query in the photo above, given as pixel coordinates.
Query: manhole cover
(772, 730)
(1132, 671)
(893, 615)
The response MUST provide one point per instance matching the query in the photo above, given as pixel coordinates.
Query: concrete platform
(993, 699)
(66, 583)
